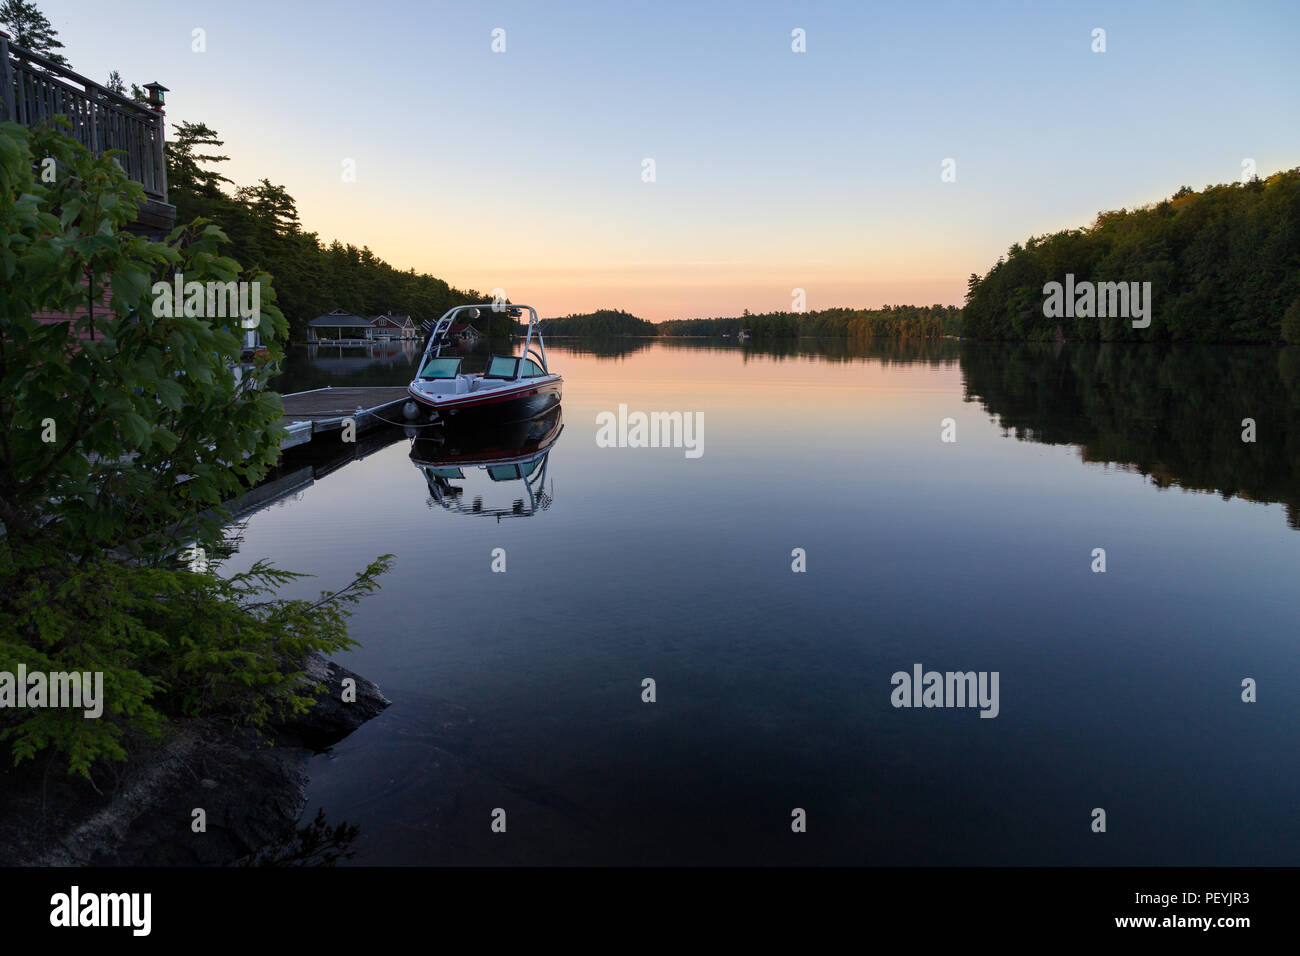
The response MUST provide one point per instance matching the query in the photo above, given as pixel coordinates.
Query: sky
(773, 170)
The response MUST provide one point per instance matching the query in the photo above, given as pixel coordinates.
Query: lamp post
(156, 91)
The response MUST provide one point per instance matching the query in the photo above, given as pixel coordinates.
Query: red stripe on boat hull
(523, 402)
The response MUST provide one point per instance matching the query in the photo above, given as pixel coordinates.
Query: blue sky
(774, 170)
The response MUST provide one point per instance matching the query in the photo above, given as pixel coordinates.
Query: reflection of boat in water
(456, 463)
(510, 389)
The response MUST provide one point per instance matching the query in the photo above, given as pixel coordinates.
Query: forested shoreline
(602, 322)
(890, 321)
(311, 277)
(1223, 266)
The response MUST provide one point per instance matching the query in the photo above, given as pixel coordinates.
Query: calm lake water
(1119, 690)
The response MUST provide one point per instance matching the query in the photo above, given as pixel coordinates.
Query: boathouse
(339, 324)
(345, 325)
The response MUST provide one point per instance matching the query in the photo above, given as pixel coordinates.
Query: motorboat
(511, 388)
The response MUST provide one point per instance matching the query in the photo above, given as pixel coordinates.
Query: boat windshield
(502, 366)
(441, 368)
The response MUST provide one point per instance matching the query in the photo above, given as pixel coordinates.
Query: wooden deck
(325, 409)
(34, 88)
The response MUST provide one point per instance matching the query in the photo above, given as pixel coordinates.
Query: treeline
(1223, 263)
(600, 322)
(891, 321)
(936, 352)
(311, 278)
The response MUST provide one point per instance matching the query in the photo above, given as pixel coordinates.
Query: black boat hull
(520, 406)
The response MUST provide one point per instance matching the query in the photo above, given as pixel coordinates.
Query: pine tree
(31, 29)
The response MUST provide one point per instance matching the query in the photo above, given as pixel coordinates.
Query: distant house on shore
(341, 324)
(389, 326)
(464, 332)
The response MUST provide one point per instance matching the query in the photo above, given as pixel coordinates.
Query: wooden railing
(34, 89)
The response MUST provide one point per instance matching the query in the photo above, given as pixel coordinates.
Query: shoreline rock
(251, 788)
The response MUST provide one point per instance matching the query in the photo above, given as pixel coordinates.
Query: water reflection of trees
(307, 367)
(600, 346)
(1171, 413)
(888, 351)
(317, 844)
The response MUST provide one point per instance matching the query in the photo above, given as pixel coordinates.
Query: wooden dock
(326, 409)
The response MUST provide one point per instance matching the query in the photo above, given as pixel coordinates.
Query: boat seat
(448, 386)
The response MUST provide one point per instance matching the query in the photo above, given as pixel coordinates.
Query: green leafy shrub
(124, 432)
